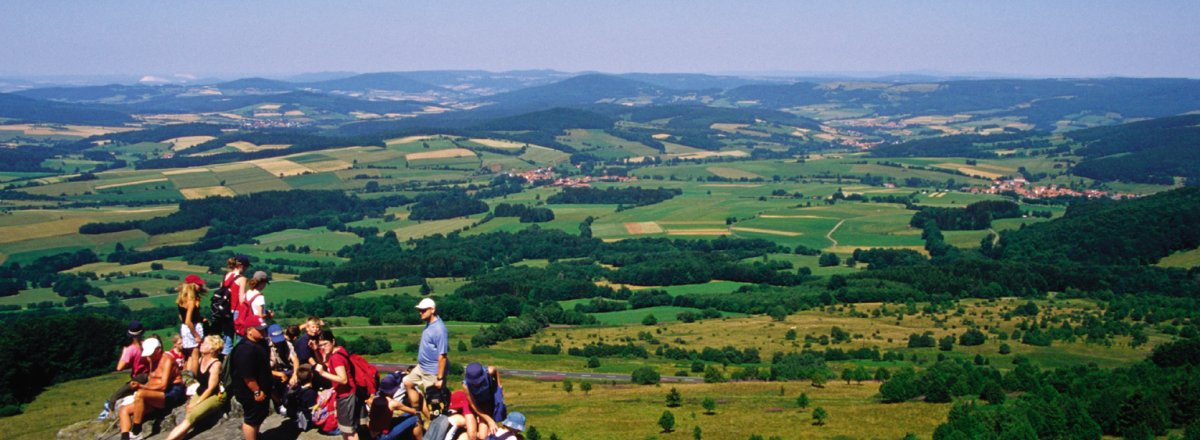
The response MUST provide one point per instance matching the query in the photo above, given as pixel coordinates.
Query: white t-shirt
(257, 303)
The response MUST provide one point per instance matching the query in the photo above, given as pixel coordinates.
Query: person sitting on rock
(131, 358)
(164, 390)
(208, 396)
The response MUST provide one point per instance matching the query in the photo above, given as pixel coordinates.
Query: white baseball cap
(149, 345)
(426, 303)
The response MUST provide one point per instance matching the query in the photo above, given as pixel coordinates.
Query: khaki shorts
(420, 378)
(204, 408)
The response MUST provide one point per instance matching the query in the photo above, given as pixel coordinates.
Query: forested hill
(1152, 151)
(25, 109)
(1109, 232)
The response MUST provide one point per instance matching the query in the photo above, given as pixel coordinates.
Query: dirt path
(829, 235)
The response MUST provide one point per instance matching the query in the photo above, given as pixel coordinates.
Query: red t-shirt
(458, 402)
(341, 358)
(235, 291)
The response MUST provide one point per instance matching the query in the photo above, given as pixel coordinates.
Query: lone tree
(847, 375)
(586, 387)
(819, 415)
(645, 376)
(802, 401)
(649, 320)
(568, 385)
(667, 421)
(674, 399)
(710, 405)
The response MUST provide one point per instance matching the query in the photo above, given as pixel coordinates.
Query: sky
(226, 38)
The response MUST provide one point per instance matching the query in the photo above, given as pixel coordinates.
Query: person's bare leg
(125, 418)
(249, 432)
(179, 431)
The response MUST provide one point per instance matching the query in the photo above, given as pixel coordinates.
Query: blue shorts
(175, 395)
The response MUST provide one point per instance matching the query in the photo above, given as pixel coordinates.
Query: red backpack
(245, 315)
(363, 375)
(324, 414)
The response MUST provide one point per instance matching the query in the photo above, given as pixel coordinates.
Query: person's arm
(125, 361)
(495, 373)
(214, 381)
(240, 280)
(338, 376)
(397, 405)
(441, 371)
(295, 366)
(252, 385)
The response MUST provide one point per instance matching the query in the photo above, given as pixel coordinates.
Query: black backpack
(221, 309)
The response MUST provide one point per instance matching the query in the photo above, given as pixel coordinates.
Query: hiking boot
(137, 436)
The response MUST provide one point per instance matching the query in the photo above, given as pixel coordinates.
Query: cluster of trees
(47, 271)
(1141, 401)
(526, 213)
(976, 216)
(446, 204)
(962, 145)
(633, 196)
(31, 362)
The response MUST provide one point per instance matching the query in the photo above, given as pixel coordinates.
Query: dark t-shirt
(303, 352)
(249, 360)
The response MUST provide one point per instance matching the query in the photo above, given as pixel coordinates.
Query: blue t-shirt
(435, 341)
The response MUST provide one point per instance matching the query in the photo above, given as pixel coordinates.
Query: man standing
(337, 370)
(431, 356)
(251, 363)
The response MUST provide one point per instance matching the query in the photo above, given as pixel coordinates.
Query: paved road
(557, 375)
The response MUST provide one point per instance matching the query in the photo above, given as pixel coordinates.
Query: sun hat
(390, 384)
(135, 329)
(515, 421)
(426, 303)
(474, 376)
(194, 279)
(276, 333)
(149, 345)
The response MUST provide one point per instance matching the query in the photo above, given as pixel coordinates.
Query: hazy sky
(231, 38)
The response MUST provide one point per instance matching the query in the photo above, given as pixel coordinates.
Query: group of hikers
(300, 372)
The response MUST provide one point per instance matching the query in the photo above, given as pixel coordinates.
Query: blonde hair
(188, 294)
(231, 263)
(216, 342)
(255, 283)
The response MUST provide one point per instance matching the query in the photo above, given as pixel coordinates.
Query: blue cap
(515, 421)
(276, 333)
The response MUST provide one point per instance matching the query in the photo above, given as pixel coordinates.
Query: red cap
(194, 279)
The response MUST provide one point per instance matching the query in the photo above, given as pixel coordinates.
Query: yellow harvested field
(704, 154)
(497, 143)
(281, 167)
(660, 136)
(328, 165)
(267, 114)
(167, 118)
(247, 147)
(52, 223)
(293, 113)
(713, 231)
(106, 268)
(269, 107)
(185, 171)
(1002, 169)
(731, 128)
(407, 140)
(183, 143)
(732, 173)
(230, 115)
(440, 154)
(139, 182)
(768, 231)
(969, 170)
(697, 222)
(207, 191)
(365, 115)
(638, 228)
(617, 286)
(63, 130)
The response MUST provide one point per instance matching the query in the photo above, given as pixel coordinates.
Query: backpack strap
(234, 280)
